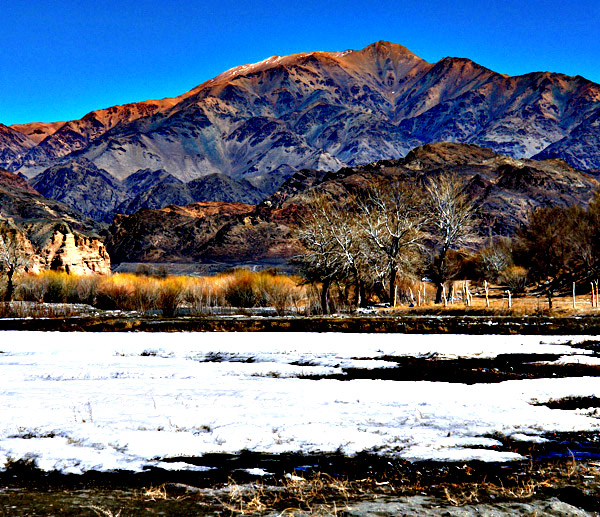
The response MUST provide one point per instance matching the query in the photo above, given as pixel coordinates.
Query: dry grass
(524, 305)
(36, 310)
(323, 494)
(241, 288)
(320, 494)
(104, 512)
(155, 493)
(166, 294)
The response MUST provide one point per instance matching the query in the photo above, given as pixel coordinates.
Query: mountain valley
(222, 172)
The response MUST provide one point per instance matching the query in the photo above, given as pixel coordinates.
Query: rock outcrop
(205, 231)
(74, 253)
(48, 233)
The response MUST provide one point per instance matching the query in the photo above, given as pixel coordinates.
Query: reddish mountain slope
(328, 109)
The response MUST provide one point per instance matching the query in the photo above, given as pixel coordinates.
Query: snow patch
(74, 402)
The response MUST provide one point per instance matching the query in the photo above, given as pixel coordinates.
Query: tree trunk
(360, 297)
(10, 288)
(438, 292)
(324, 296)
(439, 274)
(393, 274)
(363, 295)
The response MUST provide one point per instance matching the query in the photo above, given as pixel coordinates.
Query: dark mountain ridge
(94, 192)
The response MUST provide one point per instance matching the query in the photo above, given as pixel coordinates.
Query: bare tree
(319, 263)
(558, 246)
(334, 251)
(13, 256)
(495, 258)
(451, 223)
(392, 221)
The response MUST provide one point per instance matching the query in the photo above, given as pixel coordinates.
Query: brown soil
(403, 324)
(366, 485)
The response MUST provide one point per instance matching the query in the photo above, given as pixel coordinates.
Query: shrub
(238, 288)
(278, 291)
(204, 292)
(494, 259)
(241, 291)
(30, 288)
(145, 294)
(81, 289)
(170, 296)
(56, 287)
(114, 293)
(515, 279)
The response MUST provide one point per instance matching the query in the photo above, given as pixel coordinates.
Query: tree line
(560, 246)
(393, 229)
(399, 231)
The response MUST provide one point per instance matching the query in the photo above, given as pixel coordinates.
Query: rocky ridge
(13, 145)
(97, 194)
(205, 231)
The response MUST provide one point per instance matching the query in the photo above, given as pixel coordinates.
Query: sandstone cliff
(73, 252)
(48, 233)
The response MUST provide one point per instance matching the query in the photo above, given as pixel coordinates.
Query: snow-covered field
(83, 401)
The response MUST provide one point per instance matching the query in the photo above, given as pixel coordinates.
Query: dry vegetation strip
(144, 294)
(320, 493)
(56, 294)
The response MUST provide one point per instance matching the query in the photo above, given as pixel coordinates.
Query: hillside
(97, 194)
(505, 189)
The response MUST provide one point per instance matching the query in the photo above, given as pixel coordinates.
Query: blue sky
(63, 58)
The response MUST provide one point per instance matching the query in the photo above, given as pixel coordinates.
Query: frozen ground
(81, 401)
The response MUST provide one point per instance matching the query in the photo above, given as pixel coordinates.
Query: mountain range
(97, 194)
(321, 110)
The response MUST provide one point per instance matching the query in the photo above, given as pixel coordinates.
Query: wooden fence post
(487, 297)
(509, 300)
(574, 295)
